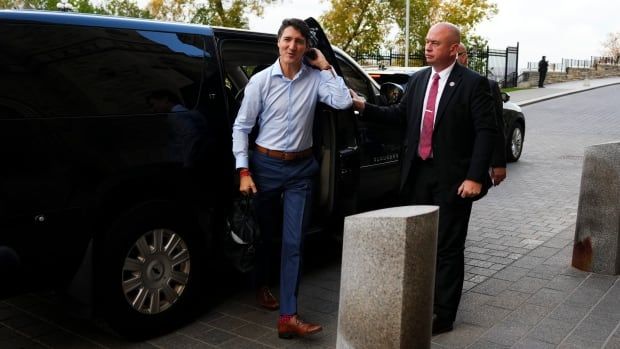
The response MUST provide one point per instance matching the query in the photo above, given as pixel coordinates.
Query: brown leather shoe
(296, 327)
(265, 299)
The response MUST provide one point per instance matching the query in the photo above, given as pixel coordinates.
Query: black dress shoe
(441, 325)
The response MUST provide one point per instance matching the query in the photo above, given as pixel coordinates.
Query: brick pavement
(520, 291)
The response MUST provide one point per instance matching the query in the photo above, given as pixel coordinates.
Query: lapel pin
(451, 83)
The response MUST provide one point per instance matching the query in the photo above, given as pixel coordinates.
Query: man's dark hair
(298, 24)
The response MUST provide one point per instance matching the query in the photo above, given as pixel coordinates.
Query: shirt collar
(443, 75)
(277, 69)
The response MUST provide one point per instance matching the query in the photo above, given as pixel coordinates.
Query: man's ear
(454, 49)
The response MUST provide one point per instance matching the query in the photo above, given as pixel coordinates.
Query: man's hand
(359, 102)
(246, 185)
(498, 174)
(320, 61)
(469, 189)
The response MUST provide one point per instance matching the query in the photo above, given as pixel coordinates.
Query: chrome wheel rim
(156, 271)
(517, 142)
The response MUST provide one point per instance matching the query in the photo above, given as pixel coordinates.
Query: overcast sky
(556, 28)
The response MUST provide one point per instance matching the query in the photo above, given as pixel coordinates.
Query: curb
(561, 94)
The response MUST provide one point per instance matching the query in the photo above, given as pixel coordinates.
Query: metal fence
(576, 63)
(499, 65)
(389, 58)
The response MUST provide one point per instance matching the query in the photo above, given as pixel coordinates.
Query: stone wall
(530, 78)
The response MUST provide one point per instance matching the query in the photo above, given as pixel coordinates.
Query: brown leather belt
(283, 155)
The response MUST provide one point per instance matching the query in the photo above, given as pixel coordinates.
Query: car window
(60, 70)
(355, 80)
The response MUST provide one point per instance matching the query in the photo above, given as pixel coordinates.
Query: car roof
(93, 20)
(394, 70)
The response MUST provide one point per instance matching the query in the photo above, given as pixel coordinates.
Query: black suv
(122, 204)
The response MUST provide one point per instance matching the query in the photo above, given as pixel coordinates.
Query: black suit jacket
(499, 154)
(464, 132)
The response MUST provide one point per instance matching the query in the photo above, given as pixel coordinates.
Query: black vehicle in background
(514, 120)
(119, 198)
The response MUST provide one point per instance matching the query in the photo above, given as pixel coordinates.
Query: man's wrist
(244, 172)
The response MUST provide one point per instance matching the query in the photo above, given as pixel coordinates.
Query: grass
(510, 89)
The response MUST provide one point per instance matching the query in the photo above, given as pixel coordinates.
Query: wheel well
(521, 123)
(141, 218)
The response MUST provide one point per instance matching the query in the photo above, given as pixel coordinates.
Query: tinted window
(355, 80)
(53, 70)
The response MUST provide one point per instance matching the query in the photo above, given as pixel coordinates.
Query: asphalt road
(536, 203)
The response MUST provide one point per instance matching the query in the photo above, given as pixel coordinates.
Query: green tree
(229, 13)
(7, 4)
(357, 25)
(477, 49)
(127, 8)
(465, 14)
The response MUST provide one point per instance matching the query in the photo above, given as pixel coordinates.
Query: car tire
(514, 145)
(150, 267)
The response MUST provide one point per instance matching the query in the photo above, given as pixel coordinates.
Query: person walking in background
(542, 71)
(283, 99)
(498, 161)
(448, 114)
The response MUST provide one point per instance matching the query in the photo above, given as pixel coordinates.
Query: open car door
(335, 139)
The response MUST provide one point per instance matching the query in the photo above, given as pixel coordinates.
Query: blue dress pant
(288, 183)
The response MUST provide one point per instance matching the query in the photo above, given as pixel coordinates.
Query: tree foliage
(127, 8)
(465, 14)
(612, 45)
(228, 13)
(357, 25)
(353, 20)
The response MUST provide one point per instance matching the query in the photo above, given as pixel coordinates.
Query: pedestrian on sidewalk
(282, 99)
(542, 71)
(449, 120)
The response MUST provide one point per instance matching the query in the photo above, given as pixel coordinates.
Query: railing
(389, 58)
(499, 65)
(576, 63)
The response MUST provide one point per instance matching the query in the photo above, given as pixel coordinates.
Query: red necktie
(426, 137)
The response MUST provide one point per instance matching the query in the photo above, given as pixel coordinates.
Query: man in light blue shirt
(282, 100)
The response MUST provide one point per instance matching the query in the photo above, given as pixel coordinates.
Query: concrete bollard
(597, 232)
(388, 278)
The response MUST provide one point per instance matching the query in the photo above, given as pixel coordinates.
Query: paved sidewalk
(534, 95)
(538, 300)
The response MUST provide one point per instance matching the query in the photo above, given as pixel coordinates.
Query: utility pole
(407, 33)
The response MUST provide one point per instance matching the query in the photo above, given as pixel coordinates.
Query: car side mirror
(505, 97)
(391, 93)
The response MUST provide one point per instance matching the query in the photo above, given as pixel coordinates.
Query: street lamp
(64, 6)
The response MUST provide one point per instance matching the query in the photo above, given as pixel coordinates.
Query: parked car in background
(398, 75)
(514, 120)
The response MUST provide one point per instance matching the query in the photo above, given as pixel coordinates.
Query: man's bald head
(454, 33)
(441, 45)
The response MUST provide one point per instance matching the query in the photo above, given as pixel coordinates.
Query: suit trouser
(289, 183)
(541, 78)
(422, 188)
